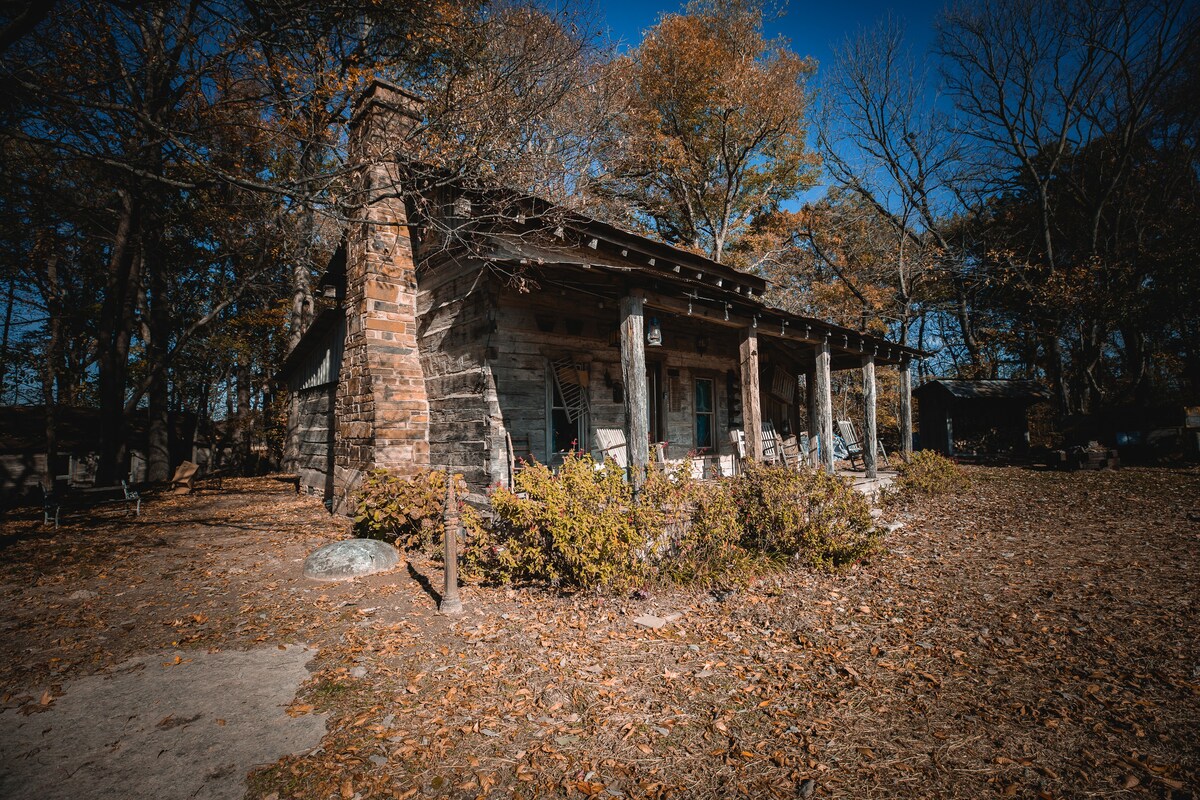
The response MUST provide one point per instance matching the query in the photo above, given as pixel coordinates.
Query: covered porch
(785, 365)
(674, 350)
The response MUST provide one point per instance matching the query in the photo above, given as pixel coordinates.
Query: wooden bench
(55, 503)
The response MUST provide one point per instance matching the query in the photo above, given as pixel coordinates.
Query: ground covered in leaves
(1035, 636)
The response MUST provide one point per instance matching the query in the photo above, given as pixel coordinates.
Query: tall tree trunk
(1136, 363)
(962, 313)
(115, 332)
(50, 367)
(302, 298)
(1054, 371)
(244, 415)
(159, 432)
(921, 346)
(302, 301)
(221, 433)
(8, 309)
(1092, 351)
(158, 457)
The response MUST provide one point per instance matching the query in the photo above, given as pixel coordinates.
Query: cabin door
(656, 402)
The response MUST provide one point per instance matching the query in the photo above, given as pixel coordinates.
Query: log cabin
(474, 328)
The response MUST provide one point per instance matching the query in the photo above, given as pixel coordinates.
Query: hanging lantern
(654, 333)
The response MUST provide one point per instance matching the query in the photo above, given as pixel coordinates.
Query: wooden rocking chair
(854, 444)
(611, 443)
(772, 449)
(793, 457)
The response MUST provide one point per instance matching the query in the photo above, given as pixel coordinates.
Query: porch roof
(568, 244)
(523, 230)
(684, 296)
(995, 389)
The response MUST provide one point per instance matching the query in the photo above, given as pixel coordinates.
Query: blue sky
(811, 26)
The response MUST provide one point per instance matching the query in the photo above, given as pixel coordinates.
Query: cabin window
(566, 418)
(706, 417)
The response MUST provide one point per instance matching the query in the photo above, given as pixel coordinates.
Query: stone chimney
(384, 117)
(381, 412)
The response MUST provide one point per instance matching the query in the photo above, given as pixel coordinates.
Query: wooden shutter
(571, 380)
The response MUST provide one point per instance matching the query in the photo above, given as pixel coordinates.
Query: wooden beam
(798, 334)
(870, 434)
(810, 397)
(633, 370)
(635, 247)
(698, 309)
(906, 422)
(825, 405)
(751, 411)
(713, 315)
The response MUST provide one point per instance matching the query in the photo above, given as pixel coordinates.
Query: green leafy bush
(707, 548)
(574, 528)
(928, 474)
(809, 515)
(404, 511)
(580, 527)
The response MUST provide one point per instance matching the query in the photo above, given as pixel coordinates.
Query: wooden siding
(312, 454)
(454, 332)
(321, 364)
(536, 328)
(310, 438)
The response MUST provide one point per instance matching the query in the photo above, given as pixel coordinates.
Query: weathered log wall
(455, 316)
(311, 454)
(535, 328)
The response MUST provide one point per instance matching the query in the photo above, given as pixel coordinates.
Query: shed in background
(981, 416)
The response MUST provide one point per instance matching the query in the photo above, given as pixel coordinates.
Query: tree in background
(1037, 229)
(200, 151)
(713, 128)
(1064, 102)
(835, 259)
(887, 146)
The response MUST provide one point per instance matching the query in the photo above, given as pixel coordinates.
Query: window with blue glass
(706, 417)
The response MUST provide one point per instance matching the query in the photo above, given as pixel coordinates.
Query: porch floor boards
(869, 486)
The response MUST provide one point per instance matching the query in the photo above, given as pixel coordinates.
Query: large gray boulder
(350, 558)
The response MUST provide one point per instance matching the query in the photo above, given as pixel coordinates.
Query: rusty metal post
(451, 604)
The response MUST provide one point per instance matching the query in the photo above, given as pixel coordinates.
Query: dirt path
(1035, 637)
(174, 725)
(156, 657)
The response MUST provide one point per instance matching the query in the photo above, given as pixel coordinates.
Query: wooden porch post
(633, 371)
(825, 404)
(751, 411)
(870, 448)
(814, 427)
(906, 429)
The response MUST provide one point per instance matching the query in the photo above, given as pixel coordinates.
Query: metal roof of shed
(986, 389)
